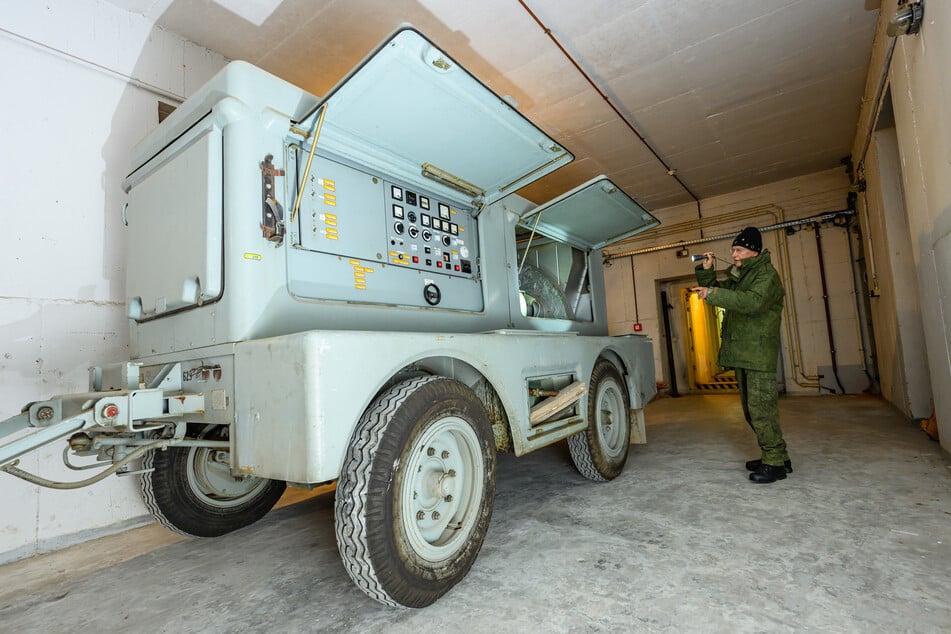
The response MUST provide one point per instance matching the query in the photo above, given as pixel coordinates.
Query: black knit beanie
(750, 239)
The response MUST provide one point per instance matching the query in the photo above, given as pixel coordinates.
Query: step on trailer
(347, 289)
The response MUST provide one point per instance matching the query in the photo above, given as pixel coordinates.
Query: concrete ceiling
(729, 93)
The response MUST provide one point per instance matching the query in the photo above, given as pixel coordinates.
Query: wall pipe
(857, 175)
(134, 81)
(792, 335)
(666, 307)
(707, 223)
(637, 316)
(800, 377)
(792, 317)
(825, 303)
(724, 236)
(865, 326)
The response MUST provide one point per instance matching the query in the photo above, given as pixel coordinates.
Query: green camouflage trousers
(761, 407)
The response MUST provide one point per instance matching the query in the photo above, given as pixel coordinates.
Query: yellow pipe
(310, 158)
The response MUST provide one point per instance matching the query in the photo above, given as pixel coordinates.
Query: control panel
(387, 241)
(427, 233)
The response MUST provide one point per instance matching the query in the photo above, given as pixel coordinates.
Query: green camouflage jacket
(753, 298)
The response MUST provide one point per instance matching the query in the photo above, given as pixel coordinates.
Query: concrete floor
(858, 539)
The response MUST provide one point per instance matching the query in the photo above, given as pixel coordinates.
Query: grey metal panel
(410, 104)
(324, 276)
(179, 199)
(298, 397)
(255, 89)
(363, 238)
(590, 216)
(341, 211)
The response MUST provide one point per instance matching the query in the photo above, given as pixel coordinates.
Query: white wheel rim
(610, 418)
(212, 481)
(442, 492)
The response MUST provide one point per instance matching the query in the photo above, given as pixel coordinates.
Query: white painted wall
(919, 85)
(760, 206)
(70, 116)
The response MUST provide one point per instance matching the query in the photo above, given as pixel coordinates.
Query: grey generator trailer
(348, 289)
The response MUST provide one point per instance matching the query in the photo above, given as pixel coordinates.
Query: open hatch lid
(411, 111)
(590, 216)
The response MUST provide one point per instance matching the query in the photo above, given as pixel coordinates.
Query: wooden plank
(550, 406)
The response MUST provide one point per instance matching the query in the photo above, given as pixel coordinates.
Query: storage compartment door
(412, 113)
(590, 216)
(175, 228)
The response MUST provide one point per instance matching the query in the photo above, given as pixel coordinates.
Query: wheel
(191, 491)
(600, 451)
(415, 494)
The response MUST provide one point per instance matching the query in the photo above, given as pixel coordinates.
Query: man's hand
(702, 291)
(708, 260)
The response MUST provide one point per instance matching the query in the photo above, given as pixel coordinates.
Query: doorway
(692, 338)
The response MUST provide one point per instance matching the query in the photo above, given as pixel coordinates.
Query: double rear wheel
(192, 491)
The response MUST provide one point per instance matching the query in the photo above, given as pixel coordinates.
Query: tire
(190, 492)
(600, 451)
(415, 494)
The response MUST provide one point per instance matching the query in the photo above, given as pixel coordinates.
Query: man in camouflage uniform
(753, 298)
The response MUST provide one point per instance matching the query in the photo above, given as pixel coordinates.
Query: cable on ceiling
(670, 170)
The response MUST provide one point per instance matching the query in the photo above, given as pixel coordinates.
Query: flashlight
(698, 258)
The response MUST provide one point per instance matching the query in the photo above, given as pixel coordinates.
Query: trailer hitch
(116, 411)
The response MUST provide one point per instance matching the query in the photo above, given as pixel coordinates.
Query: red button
(439, 264)
(457, 267)
(415, 259)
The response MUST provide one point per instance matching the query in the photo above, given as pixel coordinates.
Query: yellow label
(252, 256)
(331, 237)
(332, 203)
(360, 275)
(331, 231)
(328, 184)
(330, 197)
(330, 216)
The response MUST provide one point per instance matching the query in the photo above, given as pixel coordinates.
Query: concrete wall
(918, 82)
(805, 346)
(81, 84)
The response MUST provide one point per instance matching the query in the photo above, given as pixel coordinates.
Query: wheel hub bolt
(448, 498)
(435, 515)
(420, 515)
(451, 473)
(445, 455)
(430, 452)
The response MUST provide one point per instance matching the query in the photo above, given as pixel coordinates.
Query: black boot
(768, 473)
(753, 465)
